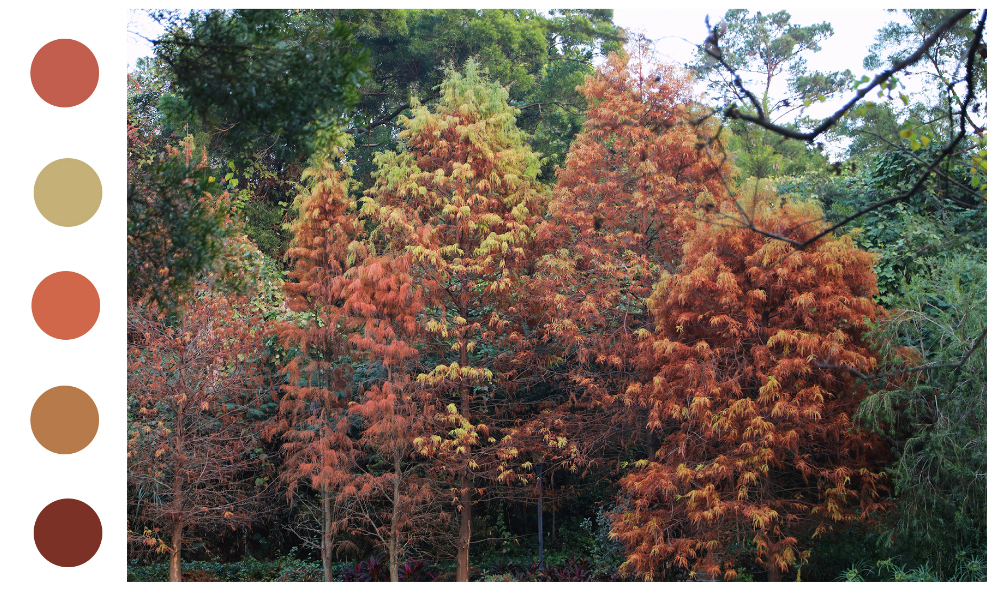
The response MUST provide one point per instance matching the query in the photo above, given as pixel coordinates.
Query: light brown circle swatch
(64, 420)
(65, 305)
(64, 73)
(68, 192)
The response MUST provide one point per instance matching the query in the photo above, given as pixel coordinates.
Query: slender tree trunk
(327, 541)
(175, 562)
(773, 574)
(464, 533)
(394, 532)
(175, 559)
(540, 516)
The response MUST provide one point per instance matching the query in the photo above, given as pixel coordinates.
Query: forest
(502, 295)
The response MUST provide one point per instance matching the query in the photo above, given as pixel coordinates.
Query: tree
(939, 65)
(393, 498)
(314, 421)
(539, 58)
(752, 399)
(933, 407)
(191, 382)
(462, 199)
(224, 83)
(769, 50)
(263, 74)
(936, 221)
(973, 55)
(619, 214)
(177, 220)
(767, 46)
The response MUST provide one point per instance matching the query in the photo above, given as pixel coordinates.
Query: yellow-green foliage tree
(752, 398)
(462, 198)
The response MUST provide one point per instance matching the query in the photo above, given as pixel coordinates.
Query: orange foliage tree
(191, 380)
(463, 200)
(619, 215)
(313, 419)
(619, 204)
(392, 498)
(758, 449)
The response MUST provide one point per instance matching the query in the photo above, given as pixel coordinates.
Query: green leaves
(265, 73)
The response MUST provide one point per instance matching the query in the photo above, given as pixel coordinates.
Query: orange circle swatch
(64, 420)
(68, 532)
(65, 305)
(64, 73)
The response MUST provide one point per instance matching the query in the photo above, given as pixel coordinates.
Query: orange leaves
(758, 430)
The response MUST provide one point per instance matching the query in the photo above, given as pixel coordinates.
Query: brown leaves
(753, 405)
(190, 384)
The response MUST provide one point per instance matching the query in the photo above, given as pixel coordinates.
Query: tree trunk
(464, 533)
(175, 559)
(327, 541)
(175, 562)
(393, 544)
(773, 574)
(540, 516)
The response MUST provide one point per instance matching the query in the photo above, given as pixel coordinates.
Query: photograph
(551, 295)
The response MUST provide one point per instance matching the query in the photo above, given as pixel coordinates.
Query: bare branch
(761, 120)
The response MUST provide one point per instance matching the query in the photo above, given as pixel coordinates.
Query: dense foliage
(456, 305)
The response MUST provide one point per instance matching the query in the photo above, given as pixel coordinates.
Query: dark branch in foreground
(761, 119)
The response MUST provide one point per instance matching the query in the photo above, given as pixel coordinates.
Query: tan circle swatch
(64, 420)
(68, 192)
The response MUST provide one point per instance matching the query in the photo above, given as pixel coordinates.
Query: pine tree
(620, 212)
(392, 499)
(619, 209)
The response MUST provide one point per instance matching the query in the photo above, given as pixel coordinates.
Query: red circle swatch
(68, 532)
(65, 305)
(64, 73)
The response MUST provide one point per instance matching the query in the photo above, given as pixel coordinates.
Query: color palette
(65, 305)
(68, 532)
(64, 420)
(64, 73)
(68, 192)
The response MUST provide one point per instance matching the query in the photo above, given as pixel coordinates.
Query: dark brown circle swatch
(68, 532)
(64, 73)
(65, 305)
(64, 420)
(68, 192)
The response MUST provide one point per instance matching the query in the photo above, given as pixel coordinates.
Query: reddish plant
(754, 417)
(463, 200)
(619, 209)
(191, 380)
(313, 420)
(391, 499)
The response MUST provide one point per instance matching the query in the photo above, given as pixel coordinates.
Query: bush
(971, 566)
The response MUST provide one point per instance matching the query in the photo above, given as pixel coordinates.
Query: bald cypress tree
(462, 198)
